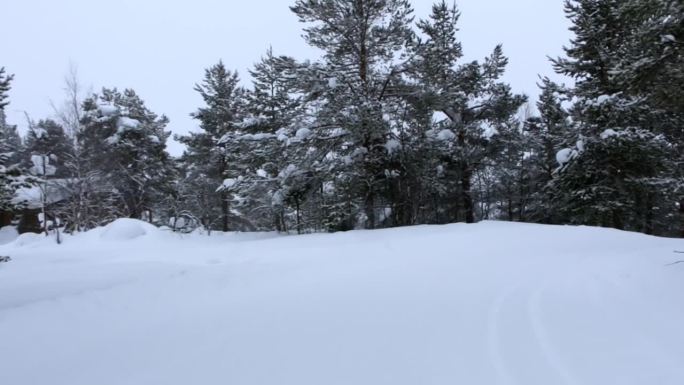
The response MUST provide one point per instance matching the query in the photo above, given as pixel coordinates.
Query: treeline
(391, 127)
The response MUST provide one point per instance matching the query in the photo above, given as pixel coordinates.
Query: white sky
(161, 48)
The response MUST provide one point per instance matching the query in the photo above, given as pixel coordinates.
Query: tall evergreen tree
(364, 44)
(625, 169)
(471, 98)
(125, 143)
(206, 159)
(11, 177)
(546, 133)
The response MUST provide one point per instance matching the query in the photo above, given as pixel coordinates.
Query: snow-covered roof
(54, 190)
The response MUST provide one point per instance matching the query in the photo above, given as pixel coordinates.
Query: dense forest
(389, 127)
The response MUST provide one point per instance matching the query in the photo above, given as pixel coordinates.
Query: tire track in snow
(542, 338)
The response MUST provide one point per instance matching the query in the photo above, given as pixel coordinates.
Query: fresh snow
(8, 234)
(488, 130)
(492, 303)
(303, 134)
(608, 133)
(42, 166)
(446, 135)
(33, 196)
(228, 183)
(126, 229)
(565, 155)
(125, 123)
(392, 146)
(107, 109)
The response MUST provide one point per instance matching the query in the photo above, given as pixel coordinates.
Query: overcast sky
(160, 48)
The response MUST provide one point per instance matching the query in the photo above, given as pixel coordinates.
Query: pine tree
(125, 143)
(207, 160)
(5, 86)
(11, 177)
(545, 135)
(47, 139)
(474, 102)
(652, 71)
(272, 102)
(261, 144)
(605, 184)
(364, 44)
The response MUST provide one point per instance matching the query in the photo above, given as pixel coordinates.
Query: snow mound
(126, 229)
(27, 239)
(8, 234)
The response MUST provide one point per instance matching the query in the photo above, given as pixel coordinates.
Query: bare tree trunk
(299, 216)
(681, 217)
(370, 208)
(466, 198)
(224, 211)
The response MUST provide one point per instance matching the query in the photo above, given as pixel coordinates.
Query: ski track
(494, 336)
(534, 311)
(523, 303)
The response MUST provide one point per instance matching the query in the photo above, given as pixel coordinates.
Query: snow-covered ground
(493, 303)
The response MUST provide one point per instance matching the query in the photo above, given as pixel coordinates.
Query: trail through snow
(493, 303)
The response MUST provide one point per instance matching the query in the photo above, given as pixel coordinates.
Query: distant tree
(47, 139)
(11, 177)
(5, 86)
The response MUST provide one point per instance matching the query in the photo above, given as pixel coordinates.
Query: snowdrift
(493, 303)
(126, 229)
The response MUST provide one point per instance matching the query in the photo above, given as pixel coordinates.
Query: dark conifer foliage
(389, 127)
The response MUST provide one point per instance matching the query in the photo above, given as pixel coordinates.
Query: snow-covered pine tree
(5, 87)
(652, 71)
(272, 102)
(263, 141)
(623, 171)
(545, 133)
(48, 139)
(125, 143)
(11, 177)
(472, 101)
(364, 44)
(207, 160)
(509, 165)
(10, 181)
(12, 140)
